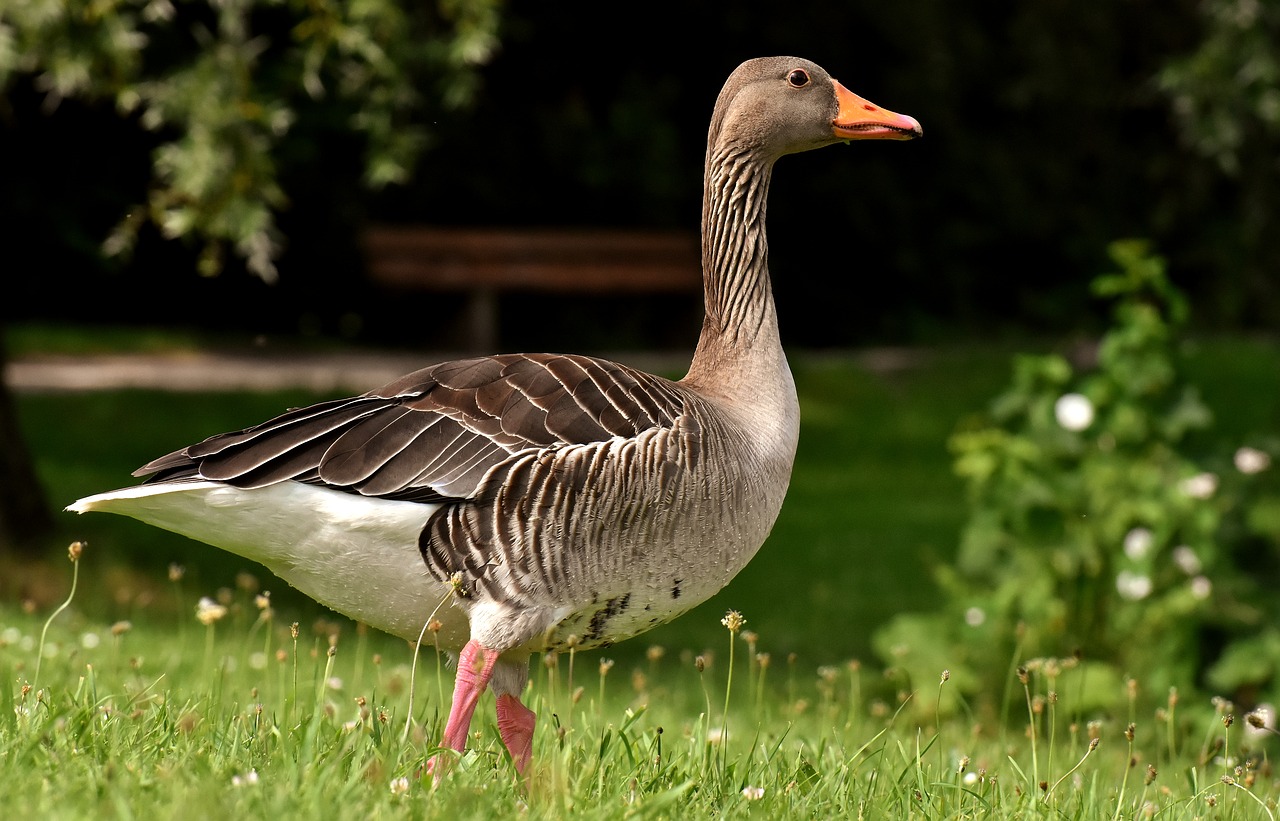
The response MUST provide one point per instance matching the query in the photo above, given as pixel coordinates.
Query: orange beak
(861, 120)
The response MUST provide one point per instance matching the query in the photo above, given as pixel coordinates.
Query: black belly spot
(675, 589)
(600, 621)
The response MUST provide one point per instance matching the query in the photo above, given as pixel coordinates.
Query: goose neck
(739, 308)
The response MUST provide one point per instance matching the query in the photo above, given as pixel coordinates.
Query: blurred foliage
(1051, 128)
(1226, 93)
(224, 84)
(1098, 531)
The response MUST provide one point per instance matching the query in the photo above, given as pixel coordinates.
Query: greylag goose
(535, 502)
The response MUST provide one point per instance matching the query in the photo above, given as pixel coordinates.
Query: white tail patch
(356, 554)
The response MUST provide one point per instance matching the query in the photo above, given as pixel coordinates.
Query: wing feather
(437, 433)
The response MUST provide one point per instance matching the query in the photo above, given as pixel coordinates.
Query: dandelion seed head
(975, 616)
(90, 640)
(1201, 587)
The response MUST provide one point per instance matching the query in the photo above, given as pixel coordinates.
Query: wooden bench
(484, 262)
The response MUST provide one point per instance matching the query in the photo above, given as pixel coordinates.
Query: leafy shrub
(1098, 531)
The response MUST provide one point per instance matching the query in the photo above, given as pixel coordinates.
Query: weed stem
(74, 552)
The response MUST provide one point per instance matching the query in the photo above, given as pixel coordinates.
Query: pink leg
(475, 667)
(515, 725)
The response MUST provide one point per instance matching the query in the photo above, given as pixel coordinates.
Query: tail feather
(356, 554)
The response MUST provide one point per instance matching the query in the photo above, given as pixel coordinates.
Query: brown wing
(434, 434)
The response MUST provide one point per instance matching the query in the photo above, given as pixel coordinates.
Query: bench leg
(481, 318)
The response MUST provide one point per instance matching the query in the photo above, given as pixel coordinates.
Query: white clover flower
(753, 793)
(334, 683)
(970, 778)
(399, 786)
(258, 661)
(1261, 721)
(1252, 460)
(1186, 560)
(1133, 586)
(90, 640)
(1201, 587)
(1200, 486)
(209, 611)
(247, 780)
(1073, 411)
(975, 616)
(1137, 543)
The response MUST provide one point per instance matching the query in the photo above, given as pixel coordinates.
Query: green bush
(1098, 529)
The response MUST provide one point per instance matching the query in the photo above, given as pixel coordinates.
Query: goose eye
(799, 78)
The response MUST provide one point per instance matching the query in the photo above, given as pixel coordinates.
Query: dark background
(1046, 137)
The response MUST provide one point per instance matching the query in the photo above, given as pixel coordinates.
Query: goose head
(784, 105)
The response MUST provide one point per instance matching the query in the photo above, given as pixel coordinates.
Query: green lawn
(163, 719)
(873, 505)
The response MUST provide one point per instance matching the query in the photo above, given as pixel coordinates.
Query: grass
(141, 710)
(247, 716)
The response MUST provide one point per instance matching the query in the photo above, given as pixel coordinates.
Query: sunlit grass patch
(230, 709)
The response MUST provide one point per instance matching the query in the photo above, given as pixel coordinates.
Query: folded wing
(433, 435)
